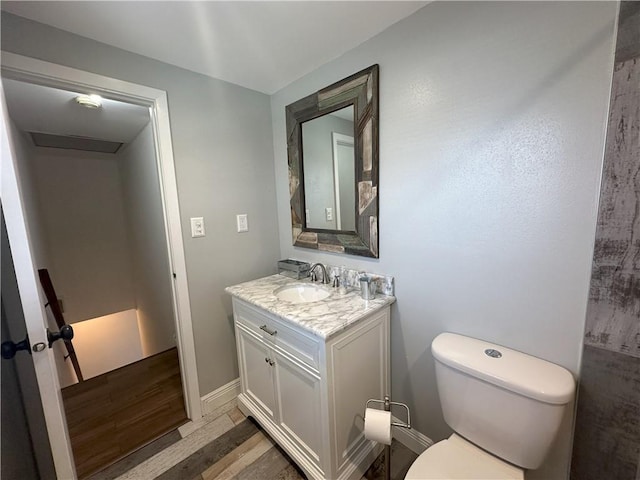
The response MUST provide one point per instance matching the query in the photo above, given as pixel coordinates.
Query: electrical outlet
(242, 222)
(197, 227)
(329, 213)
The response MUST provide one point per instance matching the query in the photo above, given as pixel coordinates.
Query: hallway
(111, 415)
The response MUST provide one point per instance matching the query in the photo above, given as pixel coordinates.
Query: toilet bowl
(456, 458)
(504, 406)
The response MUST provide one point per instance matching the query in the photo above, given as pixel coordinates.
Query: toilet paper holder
(387, 448)
(387, 403)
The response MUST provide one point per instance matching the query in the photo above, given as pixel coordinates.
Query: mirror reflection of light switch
(242, 222)
(197, 227)
(329, 212)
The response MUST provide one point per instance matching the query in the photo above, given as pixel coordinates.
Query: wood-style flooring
(225, 445)
(116, 413)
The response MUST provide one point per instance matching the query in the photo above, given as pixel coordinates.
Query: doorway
(98, 226)
(21, 68)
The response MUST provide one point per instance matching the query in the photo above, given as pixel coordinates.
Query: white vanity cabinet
(309, 393)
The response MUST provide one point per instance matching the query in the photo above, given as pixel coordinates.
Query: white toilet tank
(507, 402)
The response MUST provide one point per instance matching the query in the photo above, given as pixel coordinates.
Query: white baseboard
(216, 403)
(411, 438)
(213, 400)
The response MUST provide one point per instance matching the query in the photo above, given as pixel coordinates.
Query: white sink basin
(301, 293)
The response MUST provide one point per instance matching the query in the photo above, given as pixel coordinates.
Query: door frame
(35, 71)
(338, 139)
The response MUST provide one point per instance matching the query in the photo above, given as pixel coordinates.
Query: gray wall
(148, 243)
(492, 119)
(82, 212)
(222, 143)
(607, 435)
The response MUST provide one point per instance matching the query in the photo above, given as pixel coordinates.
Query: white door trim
(37, 71)
(338, 139)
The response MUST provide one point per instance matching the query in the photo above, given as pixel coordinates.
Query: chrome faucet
(312, 273)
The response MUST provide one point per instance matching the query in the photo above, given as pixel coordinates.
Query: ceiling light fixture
(89, 101)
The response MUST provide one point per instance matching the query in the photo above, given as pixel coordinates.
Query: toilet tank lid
(512, 370)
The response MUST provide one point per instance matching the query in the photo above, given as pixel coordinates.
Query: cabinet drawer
(302, 346)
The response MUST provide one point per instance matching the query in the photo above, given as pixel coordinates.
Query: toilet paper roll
(377, 425)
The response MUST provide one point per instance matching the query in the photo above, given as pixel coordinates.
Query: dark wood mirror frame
(361, 91)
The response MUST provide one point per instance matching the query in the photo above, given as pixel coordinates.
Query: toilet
(504, 406)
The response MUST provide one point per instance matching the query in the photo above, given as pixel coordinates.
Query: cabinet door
(257, 372)
(298, 391)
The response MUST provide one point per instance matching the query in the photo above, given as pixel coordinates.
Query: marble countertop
(323, 318)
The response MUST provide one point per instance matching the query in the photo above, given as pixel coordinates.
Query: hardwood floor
(226, 445)
(112, 415)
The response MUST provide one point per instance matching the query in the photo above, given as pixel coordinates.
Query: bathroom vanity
(307, 369)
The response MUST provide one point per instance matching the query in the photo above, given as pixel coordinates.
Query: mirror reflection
(332, 152)
(329, 171)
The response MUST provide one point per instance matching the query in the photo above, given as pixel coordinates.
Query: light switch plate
(329, 213)
(197, 227)
(242, 222)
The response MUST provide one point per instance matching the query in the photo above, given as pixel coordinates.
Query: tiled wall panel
(608, 428)
(613, 315)
(607, 435)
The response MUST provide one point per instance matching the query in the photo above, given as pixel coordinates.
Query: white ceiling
(262, 45)
(35, 108)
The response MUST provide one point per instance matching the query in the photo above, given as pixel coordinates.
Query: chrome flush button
(493, 353)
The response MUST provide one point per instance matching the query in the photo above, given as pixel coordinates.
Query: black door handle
(65, 333)
(9, 348)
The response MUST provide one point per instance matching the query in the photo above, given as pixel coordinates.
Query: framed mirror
(332, 144)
